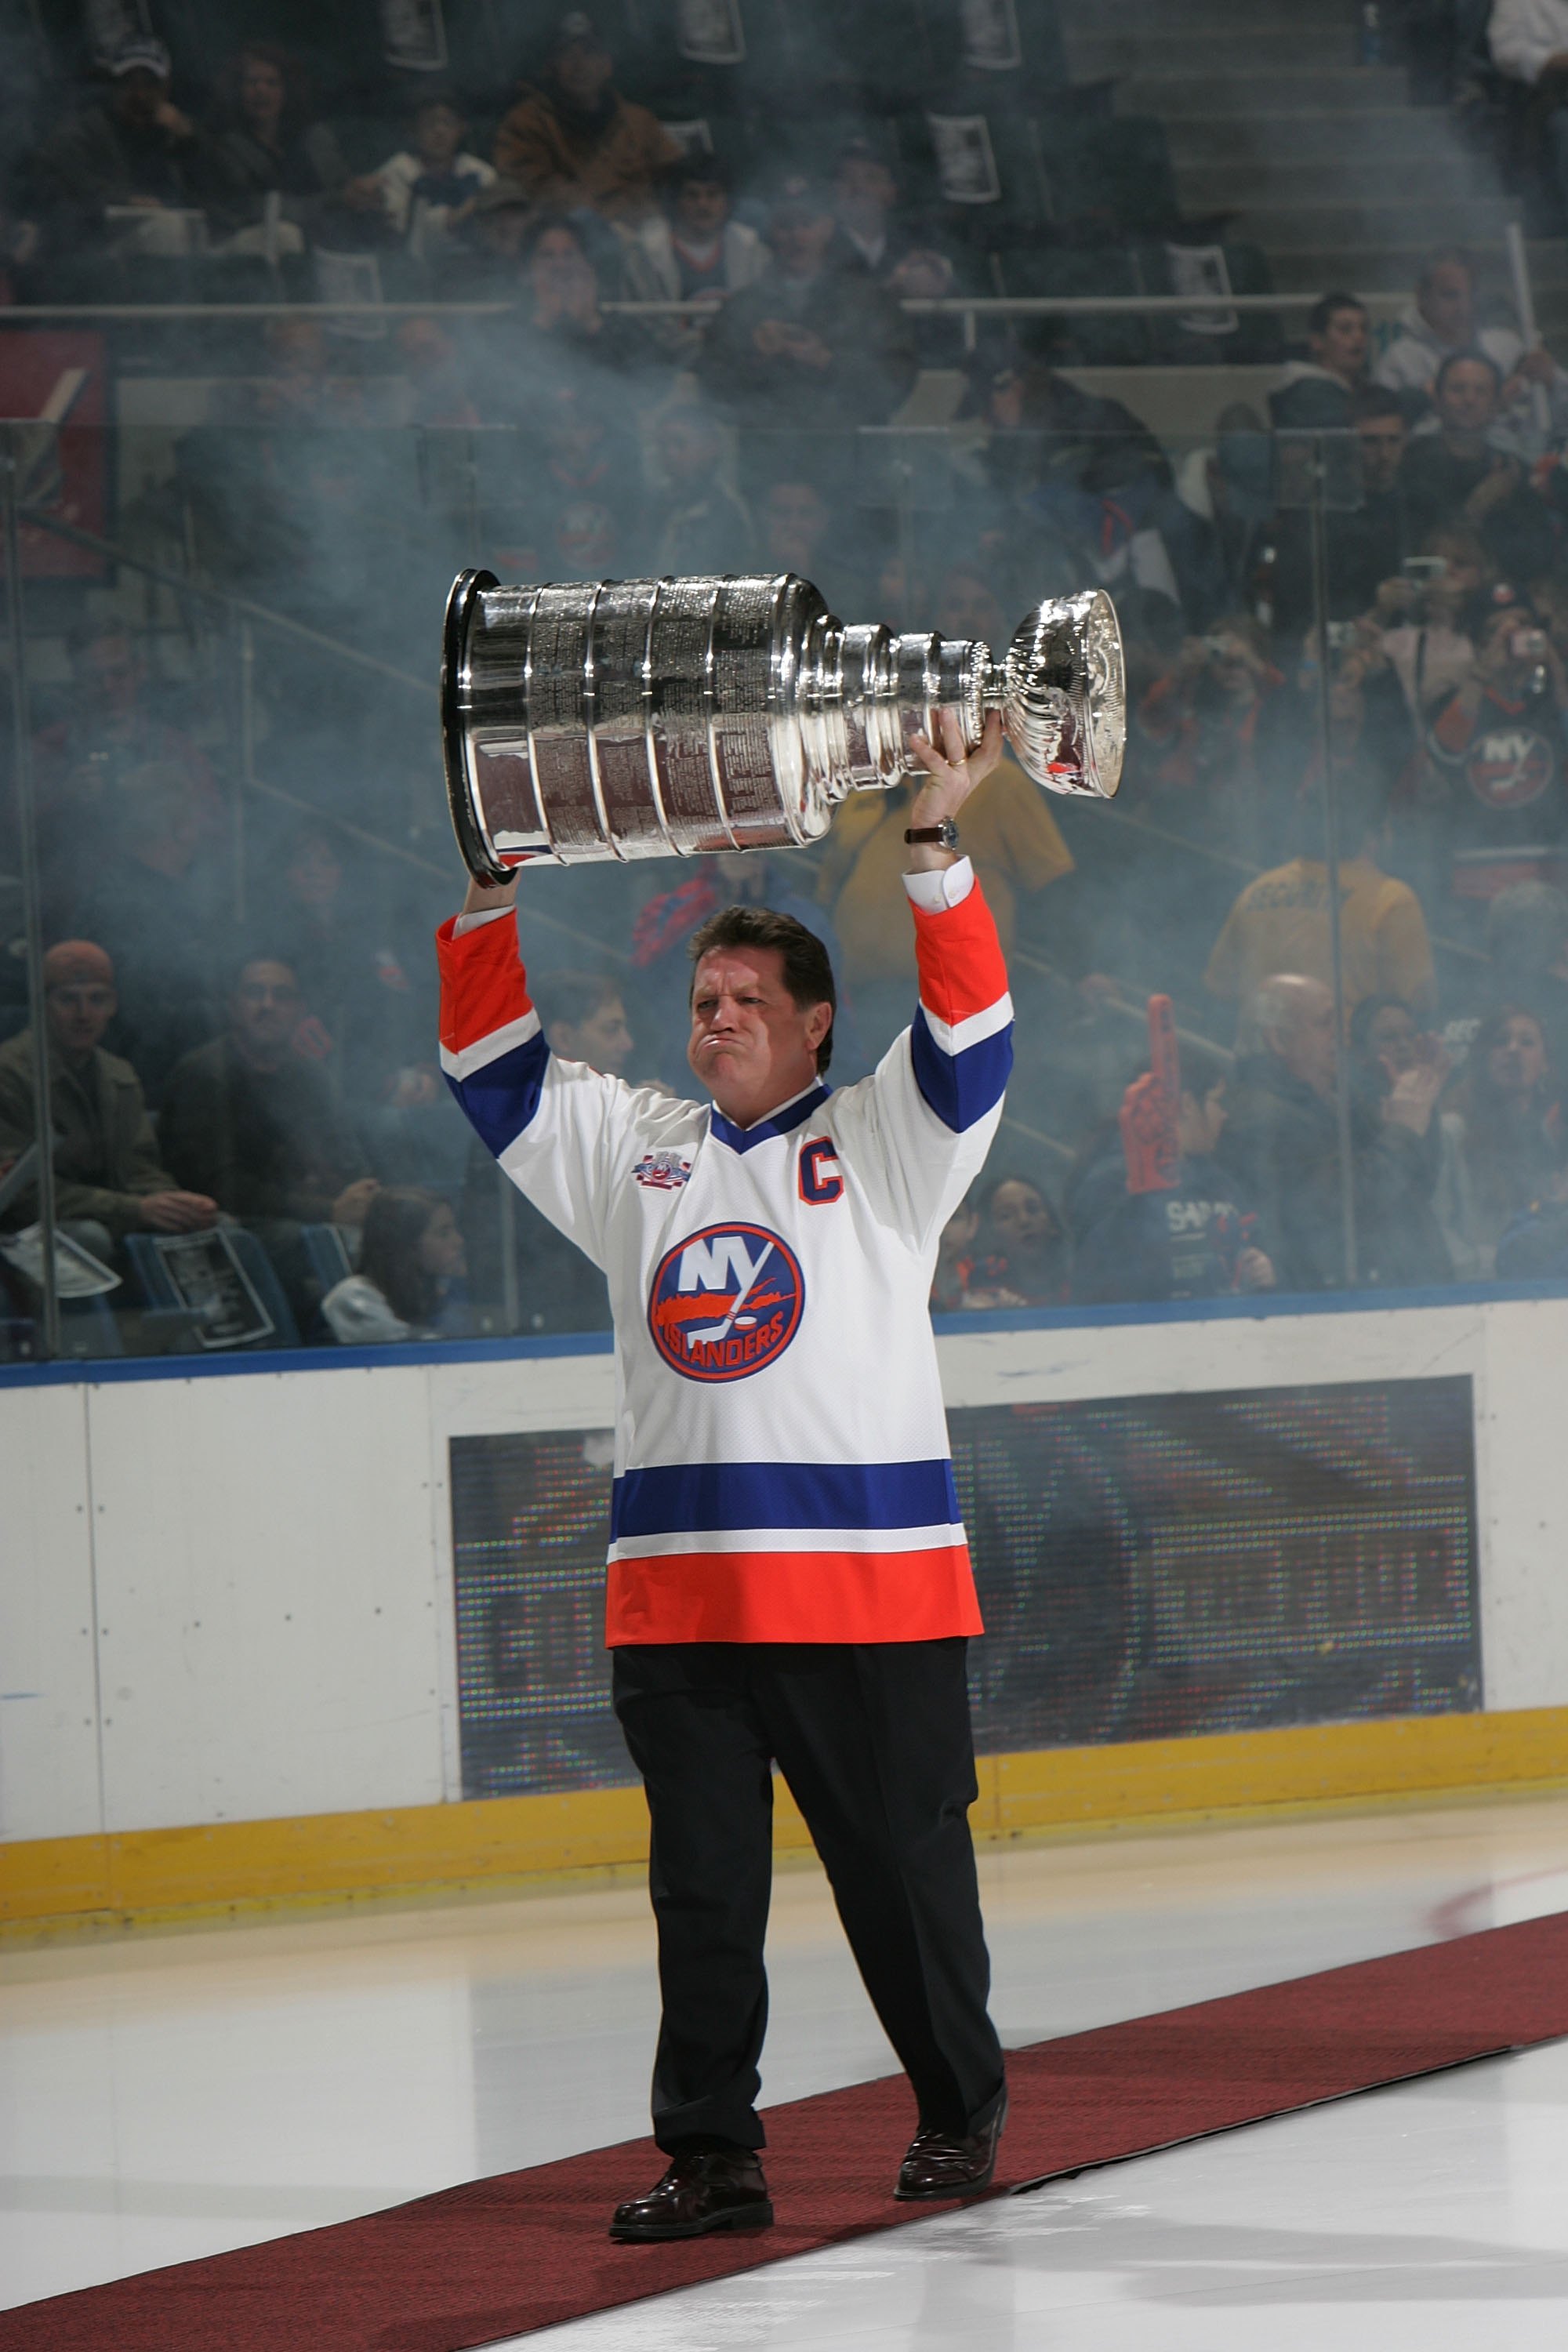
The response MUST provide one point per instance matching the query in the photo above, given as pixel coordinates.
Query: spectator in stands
(1529, 41)
(1281, 918)
(156, 907)
(429, 187)
(273, 145)
(811, 340)
(369, 1025)
(573, 139)
(1419, 626)
(1021, 1258)
(1459, 475)
(1202, 718)
(699, 523)
(109, 1181)
(248, 1121)
(1527, 960)
(1364, 546)
(1198, 1238)
(108, 731)
(438, 393)
(412, 1262)
(587, 454)
(1318, 391)
(1504, 1138)
(865, 206)
(1086, 474)
(133, 149)
(1281, 1143)
(1227, 491)
(558, 334)
(1498, 746)
(584, 1017)
(692, 249)
(1441, 322)
(1019, 852)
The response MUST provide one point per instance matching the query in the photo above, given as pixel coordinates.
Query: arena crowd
(632, 291)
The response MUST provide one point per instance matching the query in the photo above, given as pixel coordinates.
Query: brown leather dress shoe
(722, 2190)
(951, 2164)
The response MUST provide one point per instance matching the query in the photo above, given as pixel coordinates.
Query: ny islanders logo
(725, 1302)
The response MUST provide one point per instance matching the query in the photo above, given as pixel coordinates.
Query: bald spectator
(109, 1180)
(1283, 917)
(1281, 1142)
(133, 150)
(246, 1119)
(1443, 320)
(573, 139)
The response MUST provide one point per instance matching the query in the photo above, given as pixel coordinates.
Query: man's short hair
(1322, 312)
(808, 967)
(572, 997)
(1470, 358)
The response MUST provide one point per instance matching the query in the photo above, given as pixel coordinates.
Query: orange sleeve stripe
(962, 967)
(483, 985)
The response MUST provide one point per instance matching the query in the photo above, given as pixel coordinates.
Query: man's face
(1304, 1040)
(1449, 305)
(604, 1040)
(583, 72)
(688, 448)
(1392, 1038)
(265, 1009)
(1467, 401)
(1384, 441)
(799, 239)
(1341, 347)
(437, 135)
(750, 1039)
(795, 521)
(314, 874)
(701, 208)
(108, 672)
(262, 91)
(559, 268)
(138, 95)
(79, 1011)
(865, 191)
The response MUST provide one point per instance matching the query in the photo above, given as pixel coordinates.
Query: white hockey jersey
(781, 1462)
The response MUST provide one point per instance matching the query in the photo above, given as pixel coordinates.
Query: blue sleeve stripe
(960, 1088)
(714, 1497)
(501, 1099)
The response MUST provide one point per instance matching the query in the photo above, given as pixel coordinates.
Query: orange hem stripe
(785, 1596)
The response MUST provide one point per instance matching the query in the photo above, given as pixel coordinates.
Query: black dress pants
(874, 1741)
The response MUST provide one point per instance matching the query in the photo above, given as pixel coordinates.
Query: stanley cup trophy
(664, 717)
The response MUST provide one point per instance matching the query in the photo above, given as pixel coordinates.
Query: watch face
(949, 832)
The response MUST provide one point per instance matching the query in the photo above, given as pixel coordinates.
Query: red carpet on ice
(526, 2250)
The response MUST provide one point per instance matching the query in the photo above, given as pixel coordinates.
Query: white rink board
(271, 1547)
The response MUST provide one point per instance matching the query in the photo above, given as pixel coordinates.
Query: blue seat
(158, 1291)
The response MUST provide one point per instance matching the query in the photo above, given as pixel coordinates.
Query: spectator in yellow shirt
(1280, 922)
(1008, 831)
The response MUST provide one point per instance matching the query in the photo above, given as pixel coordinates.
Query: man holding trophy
(789, 1578)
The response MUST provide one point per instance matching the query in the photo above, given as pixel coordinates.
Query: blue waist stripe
(712, 1497)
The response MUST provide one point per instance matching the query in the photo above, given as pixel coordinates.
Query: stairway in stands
(1325, 162)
